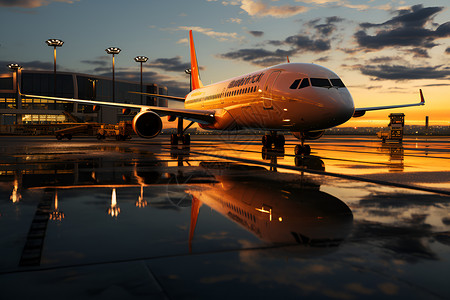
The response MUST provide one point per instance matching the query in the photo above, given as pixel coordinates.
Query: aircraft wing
(359, 112)
(200, 116)
(161, 96)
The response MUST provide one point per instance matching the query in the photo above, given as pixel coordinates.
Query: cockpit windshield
(320, 82)
(337, 83)
(295, 84)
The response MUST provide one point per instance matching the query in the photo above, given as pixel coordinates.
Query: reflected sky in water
(200, 225)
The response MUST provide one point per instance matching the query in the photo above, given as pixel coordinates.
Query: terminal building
(17, 110)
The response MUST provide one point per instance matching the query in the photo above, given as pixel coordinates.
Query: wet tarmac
(224, 218)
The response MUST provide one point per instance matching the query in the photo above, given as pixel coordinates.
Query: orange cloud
(29, 3)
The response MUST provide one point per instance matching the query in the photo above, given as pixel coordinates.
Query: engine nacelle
(309, 135)
(147, 124)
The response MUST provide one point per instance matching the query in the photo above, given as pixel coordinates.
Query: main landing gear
(277, 140)
(181, 136)
(185, 139)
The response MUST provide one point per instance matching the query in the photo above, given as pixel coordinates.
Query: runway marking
(329, 158)
(350, 177)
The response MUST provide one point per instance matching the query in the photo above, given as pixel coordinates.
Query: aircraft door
(267, 92)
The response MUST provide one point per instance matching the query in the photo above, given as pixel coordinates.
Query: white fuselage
(276, 98)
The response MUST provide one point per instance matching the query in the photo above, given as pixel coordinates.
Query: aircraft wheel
(173, 139)
(279, 141)
(307, 150)
(267, 141)
(264, 153)
(99, 136)
(68, 136)
(59, 137)
(302, 150)
(186, 139)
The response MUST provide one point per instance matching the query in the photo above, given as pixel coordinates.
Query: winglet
(196, 83)
(422, 99)
(288, 59)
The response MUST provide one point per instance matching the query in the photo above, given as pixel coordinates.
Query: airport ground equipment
(82, 128)
(121, 131)
(395, 132)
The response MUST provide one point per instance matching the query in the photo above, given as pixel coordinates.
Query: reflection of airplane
(305, 99)
(276, 211)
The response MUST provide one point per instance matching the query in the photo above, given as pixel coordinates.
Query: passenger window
(320, 82)
(294, 85)
(337, 82)
(305, 83)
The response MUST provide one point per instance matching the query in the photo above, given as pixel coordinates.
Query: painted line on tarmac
(350, 177)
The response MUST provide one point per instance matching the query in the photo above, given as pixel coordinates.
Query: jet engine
(147, 124)
(309, 135)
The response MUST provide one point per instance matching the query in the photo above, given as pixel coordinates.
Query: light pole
(113, 51)
(54, 43)
(15, 68)
(141, 59)
(94, 87)
(188, 71)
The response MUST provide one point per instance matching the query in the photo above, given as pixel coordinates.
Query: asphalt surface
(224, 218)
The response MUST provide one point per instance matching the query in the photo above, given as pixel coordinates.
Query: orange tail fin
(196, 83)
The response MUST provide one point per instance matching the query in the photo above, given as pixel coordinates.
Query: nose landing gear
(302, 149)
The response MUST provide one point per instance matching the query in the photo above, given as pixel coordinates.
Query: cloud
(302, 42)
(183, 41)
(256, 33)
(419, 52)
(343, 3)
(29, 3)
(399, 72)
(405, 29)
(173, 64)
(235, 20)
(416, 16)
(220, 36)
(99, 62)
(34, 65)
(261, 57)
(175, 86)
(295, 43)
(327, 28)
(322, 59)
(384, 59)
(256, 8)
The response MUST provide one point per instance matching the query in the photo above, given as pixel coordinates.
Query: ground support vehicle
(121, 131)
(395, 132)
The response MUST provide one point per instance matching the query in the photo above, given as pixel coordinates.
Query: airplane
(253, 198)
(305, 99)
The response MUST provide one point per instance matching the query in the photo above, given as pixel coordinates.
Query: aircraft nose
(340, 106)
(346, 105)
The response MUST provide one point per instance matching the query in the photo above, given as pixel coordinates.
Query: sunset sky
(384, 51)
